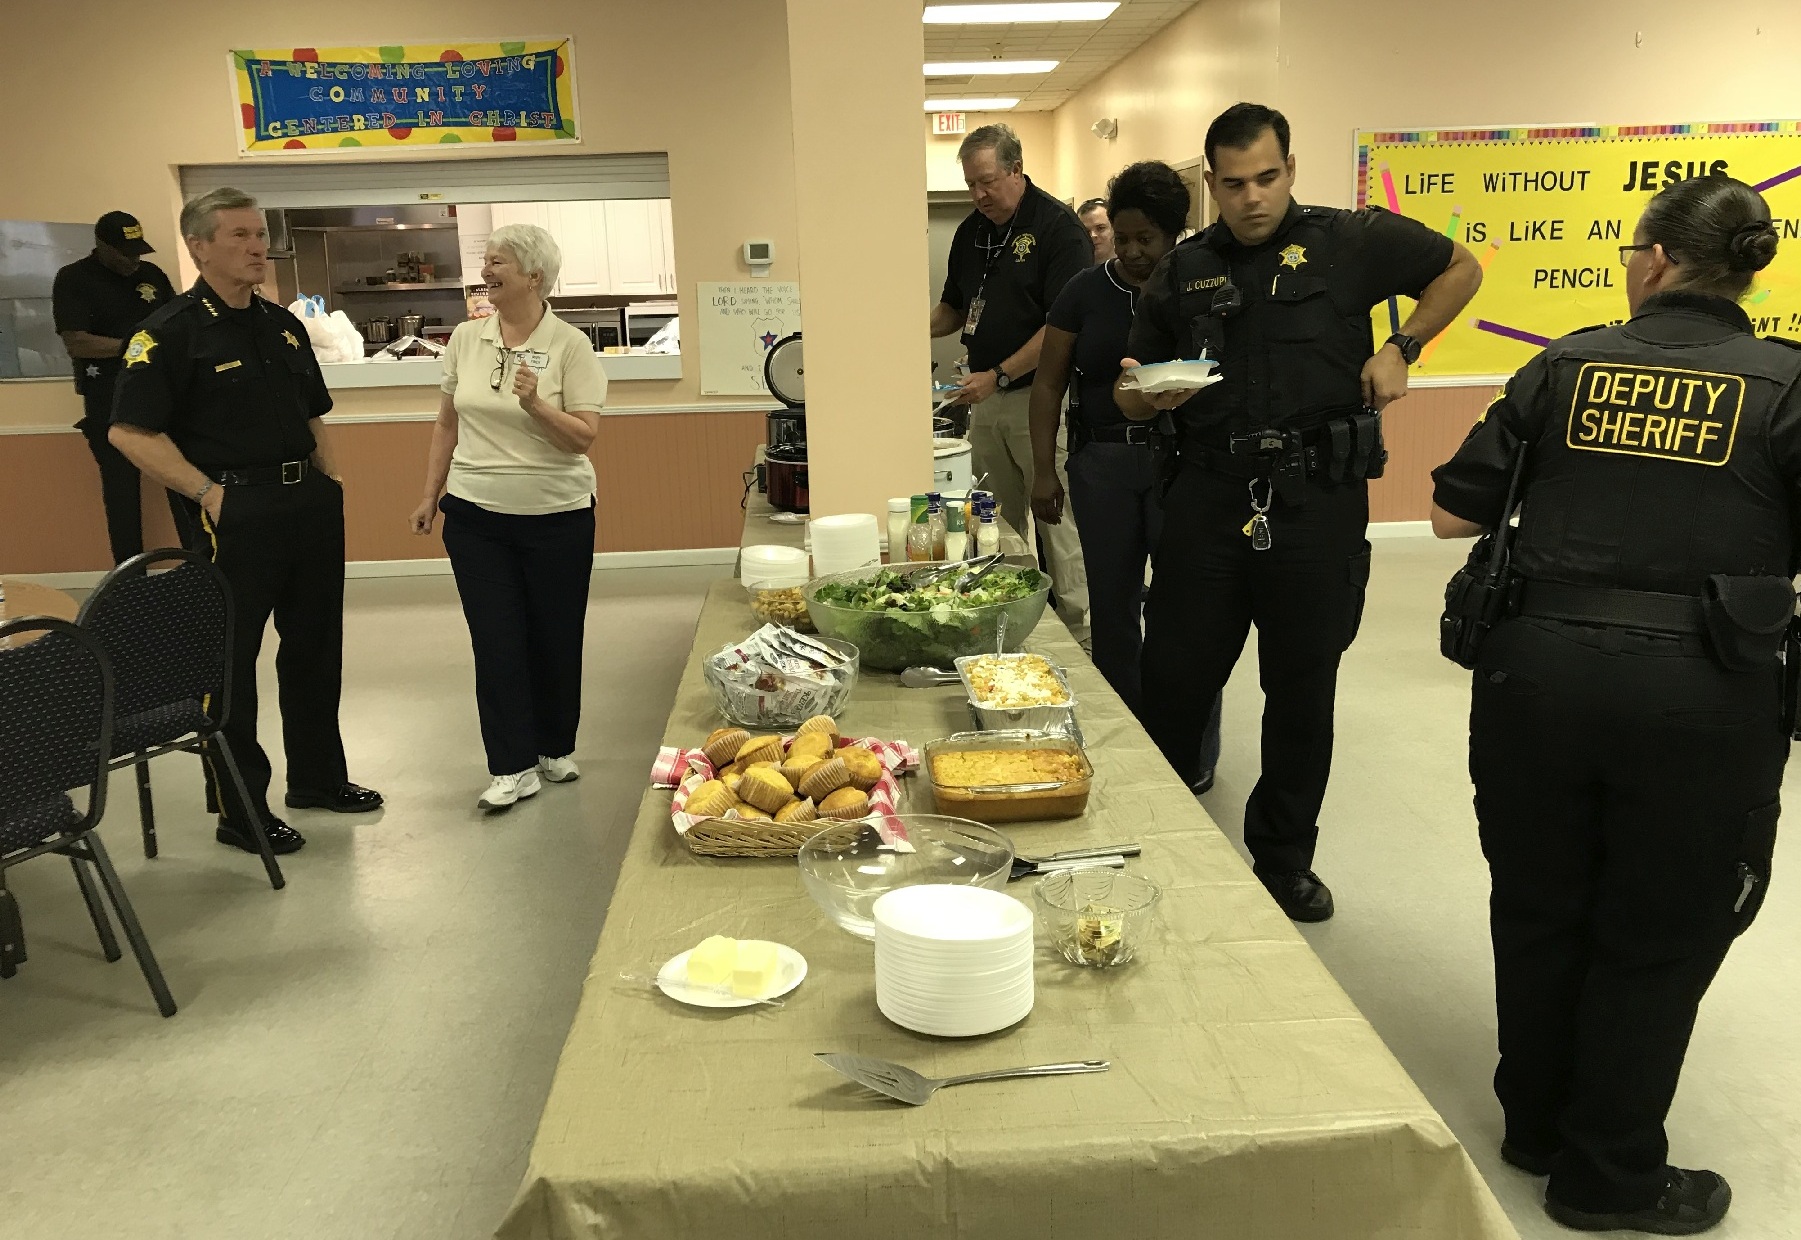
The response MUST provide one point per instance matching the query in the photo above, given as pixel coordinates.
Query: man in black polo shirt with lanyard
(1008, 261)
(97, 301)
(221, 400)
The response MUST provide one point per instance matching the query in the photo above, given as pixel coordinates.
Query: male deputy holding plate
(1268, 501)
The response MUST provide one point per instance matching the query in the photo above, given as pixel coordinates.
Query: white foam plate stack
(845, 542)
(953, 961)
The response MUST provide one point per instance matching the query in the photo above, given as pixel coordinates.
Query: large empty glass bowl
(847, 867)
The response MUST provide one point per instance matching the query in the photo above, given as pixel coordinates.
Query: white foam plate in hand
(1178, 376)
(672, 980)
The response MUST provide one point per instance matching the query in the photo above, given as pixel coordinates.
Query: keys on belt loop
(1257, 528)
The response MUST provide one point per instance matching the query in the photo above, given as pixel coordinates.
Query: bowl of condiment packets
(778, 678)
(1096, 917)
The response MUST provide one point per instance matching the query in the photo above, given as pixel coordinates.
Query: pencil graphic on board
(1456, 222)
(1394, 204)
(1483, 260)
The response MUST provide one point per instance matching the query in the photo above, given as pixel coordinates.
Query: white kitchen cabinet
(668, 226)
(635, 246)
(580, 231)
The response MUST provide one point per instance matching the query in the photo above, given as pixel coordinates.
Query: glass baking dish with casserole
(1008, 776)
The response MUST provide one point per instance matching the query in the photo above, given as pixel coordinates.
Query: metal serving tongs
(979, 568)
(1107, 856)
(926, 677)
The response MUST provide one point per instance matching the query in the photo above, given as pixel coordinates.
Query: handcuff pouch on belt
(1482, 592)
(1751, 623)
(1166, 460)
(1342, 448)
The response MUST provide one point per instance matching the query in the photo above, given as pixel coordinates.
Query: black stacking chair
(56, 719)
(168, 635)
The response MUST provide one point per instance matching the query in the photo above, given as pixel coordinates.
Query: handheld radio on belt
(1477, 596)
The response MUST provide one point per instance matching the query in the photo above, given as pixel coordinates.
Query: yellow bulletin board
(1546, 209)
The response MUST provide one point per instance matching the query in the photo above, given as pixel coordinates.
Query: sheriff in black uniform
(1625, 734)
(1264, 520)
(220, 400)
(97, 302)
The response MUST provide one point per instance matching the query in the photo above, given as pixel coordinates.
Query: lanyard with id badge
(973, 318)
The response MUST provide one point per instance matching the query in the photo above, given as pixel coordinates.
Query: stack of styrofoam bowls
(846, 542)
(951, 960)
(772, 567)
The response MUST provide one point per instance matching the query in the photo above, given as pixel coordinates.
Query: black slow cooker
(785, 450)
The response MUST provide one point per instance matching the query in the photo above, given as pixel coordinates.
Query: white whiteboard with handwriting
(738, 324)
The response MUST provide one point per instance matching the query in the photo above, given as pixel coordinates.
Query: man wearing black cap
(98, 301)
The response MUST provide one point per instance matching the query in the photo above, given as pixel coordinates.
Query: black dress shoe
(283, 839)
(1202, 786)
(1526, 1160)
(1692, 1202)
(1300, 893)
(346, 799)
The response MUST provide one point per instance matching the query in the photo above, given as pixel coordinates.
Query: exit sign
(947, 123)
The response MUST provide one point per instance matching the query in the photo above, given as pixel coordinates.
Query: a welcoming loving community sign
(322, 98)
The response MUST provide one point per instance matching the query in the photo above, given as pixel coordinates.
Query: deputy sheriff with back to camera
(1628, 727)
(1268, 502)
(220, 399)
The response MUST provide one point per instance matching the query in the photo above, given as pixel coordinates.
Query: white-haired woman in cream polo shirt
(522, 394)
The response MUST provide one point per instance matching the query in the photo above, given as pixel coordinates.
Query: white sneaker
(507, 789)
(559, 770)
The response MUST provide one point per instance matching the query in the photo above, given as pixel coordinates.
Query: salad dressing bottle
(988, 534)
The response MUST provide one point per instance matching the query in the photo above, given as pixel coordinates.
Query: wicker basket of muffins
(764, 795)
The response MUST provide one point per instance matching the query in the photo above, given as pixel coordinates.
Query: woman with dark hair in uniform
(1112, 477)
(1626, 735)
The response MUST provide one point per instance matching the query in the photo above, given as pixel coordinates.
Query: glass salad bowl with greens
(895, 627)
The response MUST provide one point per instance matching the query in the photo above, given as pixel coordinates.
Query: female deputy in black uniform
(1112, 473)
(1626, 740)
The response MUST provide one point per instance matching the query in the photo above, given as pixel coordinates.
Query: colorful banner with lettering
(324, 98)
(1546, 210)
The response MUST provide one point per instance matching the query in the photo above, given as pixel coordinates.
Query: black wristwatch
(1000, 379)
(1409, 347)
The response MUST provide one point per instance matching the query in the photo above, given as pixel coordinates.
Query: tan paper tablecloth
(1248, 1099)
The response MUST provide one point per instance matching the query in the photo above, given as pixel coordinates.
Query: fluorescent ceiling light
(969, 105)
(962, 68)
(1006, 14)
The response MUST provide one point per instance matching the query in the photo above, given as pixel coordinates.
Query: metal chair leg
(256, 821)
(90, 894)
(146, 809)
(12, 934)
(134, 933)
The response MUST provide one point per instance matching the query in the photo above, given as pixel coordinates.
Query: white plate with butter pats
(1178, 376)
(672, 980)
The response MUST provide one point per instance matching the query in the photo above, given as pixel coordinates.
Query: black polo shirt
(1016, 269)
(234, 389)
(1096, 308)
(89, 297)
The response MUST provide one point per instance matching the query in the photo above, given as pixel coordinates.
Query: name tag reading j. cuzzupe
(1656, 411)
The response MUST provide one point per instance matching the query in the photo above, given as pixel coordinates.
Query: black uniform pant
(119, 490)
(523, 581)
(1626, 790)
(282, 550)
(1304, 594)
(1113, 492)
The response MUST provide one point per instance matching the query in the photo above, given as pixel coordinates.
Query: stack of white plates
(770, 566)
(953, 961)
(846, 542)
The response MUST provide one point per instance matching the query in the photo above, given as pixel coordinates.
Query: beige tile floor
(364, 1055)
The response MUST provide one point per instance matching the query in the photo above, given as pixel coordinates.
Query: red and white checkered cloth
(687, 769)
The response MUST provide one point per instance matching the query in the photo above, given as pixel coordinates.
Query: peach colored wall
(704, 80)
(1410, 63)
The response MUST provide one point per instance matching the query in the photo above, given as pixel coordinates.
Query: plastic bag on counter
(668, 338)
(334, 337)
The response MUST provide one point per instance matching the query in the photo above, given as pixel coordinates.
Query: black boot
(1300, 893)
(1692, 1202)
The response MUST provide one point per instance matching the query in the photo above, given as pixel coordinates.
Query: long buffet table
(1248, 1097)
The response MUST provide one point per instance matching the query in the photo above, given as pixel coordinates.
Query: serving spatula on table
(905, 1085)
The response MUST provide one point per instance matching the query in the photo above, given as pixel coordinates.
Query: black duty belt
(1610, 607)
(1344, 446)
(1137, 433)
(285, 474)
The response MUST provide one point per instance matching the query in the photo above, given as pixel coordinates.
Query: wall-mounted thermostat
(758, 256)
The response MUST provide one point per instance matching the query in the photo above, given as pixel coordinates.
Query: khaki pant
(1000, 437)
